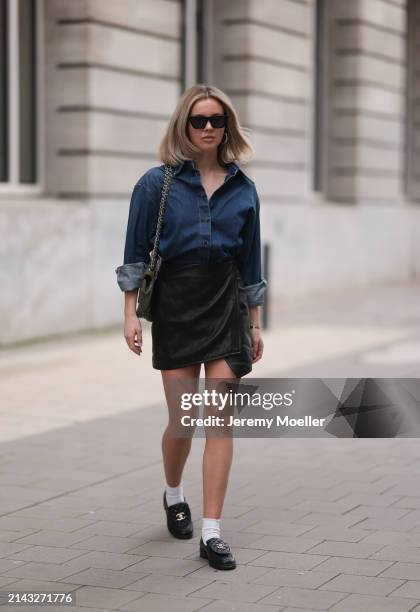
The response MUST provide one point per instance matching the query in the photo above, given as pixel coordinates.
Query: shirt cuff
(255, 294)
(129, 276)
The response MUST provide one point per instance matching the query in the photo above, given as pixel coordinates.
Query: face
(207, 138)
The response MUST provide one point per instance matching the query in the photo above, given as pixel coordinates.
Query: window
(19, 95)
(412, 123)
(196, 38)
(320, 104)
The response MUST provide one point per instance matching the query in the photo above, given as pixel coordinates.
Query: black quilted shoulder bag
(145, 293)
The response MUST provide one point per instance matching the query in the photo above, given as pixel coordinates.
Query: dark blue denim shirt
(195, 229)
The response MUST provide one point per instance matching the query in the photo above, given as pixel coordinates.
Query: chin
(207, 146)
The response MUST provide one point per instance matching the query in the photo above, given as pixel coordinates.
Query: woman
(209, 287)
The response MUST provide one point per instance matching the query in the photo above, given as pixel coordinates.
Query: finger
(138, 340)
(132, 345)
(257, 351)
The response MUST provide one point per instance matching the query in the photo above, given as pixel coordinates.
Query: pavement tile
(393, 538)
(26, 493)
(330, 520)
(28, 584)
(281, 528)
(109, 528)
(302, 561)
(331, 507)
(102, 578)
(350, 565)
(365, 585)
(289, 596)
(54, 524)
(299, 609)
(107, 560)
(378, 511)
(104, 597)
(6, 564)
(398, 553)
(346, 549)
(5, 581)
(120, 515)
(174, 549)
(306, 579)
(10, 548)
(411, 588)
(154, 602)
(51, 538)
(47, 511)
(167, 567)
(411, 503)
(46, 554)
(11, 535)
(40, 571)
(271, 513)
(234, 591)
(340, 534)
(383, 524)
(238, 606)
(405, 571)
(285, 543)
(107, 543)
(359, 498)
(369, 603)
(175, 585)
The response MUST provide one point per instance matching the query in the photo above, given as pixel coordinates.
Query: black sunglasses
(199, 122)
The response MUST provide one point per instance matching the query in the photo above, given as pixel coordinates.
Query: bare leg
(175, 451)
(218, 454)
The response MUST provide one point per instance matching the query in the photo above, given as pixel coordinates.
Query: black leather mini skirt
(200, 313)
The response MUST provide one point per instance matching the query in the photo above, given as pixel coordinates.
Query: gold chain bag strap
(145, 293)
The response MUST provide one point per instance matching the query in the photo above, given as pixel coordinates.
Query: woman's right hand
(133, 333)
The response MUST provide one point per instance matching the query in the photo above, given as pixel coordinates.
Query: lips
(209, 138)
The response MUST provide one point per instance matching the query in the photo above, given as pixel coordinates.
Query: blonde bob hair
(175, 146)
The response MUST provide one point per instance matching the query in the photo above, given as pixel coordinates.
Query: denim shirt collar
(190, 166)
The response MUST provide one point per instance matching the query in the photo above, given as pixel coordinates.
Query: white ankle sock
(210, 529)
(174, 495)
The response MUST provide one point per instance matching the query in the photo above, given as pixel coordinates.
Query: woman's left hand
(257, 344)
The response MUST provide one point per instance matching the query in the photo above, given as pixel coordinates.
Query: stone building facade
(329, 89)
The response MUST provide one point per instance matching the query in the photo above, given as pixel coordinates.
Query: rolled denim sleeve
(249, 258)
(141, 229)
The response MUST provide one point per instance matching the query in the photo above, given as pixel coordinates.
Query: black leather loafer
(178, 519)
(218, 552)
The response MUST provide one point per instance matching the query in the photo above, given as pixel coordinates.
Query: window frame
(320, 133)
(410, 180)
(197, 36)
(12, 186)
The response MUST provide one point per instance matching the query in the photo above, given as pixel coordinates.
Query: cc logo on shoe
(180, 516)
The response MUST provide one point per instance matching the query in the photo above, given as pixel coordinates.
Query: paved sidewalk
(315, 524)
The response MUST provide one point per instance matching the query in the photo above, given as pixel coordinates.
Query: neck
(207, 162)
